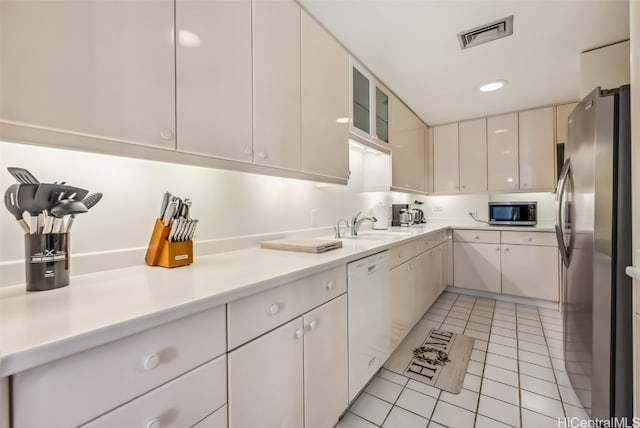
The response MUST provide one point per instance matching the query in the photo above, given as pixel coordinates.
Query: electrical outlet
(473, 212)
(314, 217)
(437, 208)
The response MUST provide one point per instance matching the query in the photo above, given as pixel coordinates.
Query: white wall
(607, 67)
(228, 204)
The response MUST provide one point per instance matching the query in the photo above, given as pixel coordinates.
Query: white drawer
(183, 402)
(432, 240)
(73, 390)
(484, 236)
(217, 419)
(546, 239)
(254, 315)
(404, 252)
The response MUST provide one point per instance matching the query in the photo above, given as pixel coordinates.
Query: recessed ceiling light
(493, 86)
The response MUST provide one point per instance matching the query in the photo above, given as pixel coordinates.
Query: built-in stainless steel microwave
(513, 213)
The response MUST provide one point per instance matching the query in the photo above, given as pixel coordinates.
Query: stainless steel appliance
(418, 216)
(593, 226)
(513, 213)
(406, 217)
(395, 213)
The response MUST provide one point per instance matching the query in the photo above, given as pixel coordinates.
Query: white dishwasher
(368, 286)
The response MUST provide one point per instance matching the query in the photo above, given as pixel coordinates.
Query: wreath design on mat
(441, 357)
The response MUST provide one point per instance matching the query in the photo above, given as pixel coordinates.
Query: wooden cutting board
(304, 245)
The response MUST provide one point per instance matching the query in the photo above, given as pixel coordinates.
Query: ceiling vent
(486, 33)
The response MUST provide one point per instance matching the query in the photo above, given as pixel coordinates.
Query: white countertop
(36, 328)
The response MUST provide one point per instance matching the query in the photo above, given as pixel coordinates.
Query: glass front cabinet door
(369, 106)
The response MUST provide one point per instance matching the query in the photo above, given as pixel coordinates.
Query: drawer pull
(506, 249)
(530, 239)
(274, 309)
(299, 333)
(151, 361)
(330, 285)
(476, 237)
(312, 325)
(153, 423)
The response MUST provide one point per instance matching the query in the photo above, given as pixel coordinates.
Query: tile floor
(515, 378)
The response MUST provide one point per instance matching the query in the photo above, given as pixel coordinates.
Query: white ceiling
(412, 47)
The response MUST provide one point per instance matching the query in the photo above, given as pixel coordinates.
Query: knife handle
(158, 238)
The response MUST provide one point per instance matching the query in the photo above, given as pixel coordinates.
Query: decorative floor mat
(440, 360)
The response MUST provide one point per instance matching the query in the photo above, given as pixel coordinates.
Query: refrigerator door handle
(562, 183)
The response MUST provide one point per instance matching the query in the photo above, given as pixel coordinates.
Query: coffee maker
(395, 213)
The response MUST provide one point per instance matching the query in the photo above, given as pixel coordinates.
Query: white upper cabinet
(445, 159)
(276, 83)
(473, 156)
(502, 153)
(95, 68)
(428, 160)
(407, 135)
(370, 110)
(537, 149)
(213, 57)
(562, 121)
(325, 102)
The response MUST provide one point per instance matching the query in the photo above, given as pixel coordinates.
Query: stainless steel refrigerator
(593, 226)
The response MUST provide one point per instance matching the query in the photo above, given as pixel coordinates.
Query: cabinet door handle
(274, 309)
(153, 423)
(312, 325)
(330, 285)
(262, 155)
(506, 249)
(166, 134)
(151, 361)
(299, 333)
(498, 249)
(371, 361)
(247, 151)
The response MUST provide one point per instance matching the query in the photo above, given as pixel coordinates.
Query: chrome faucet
(356, 222)
(336, 229)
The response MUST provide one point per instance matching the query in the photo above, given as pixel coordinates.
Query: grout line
(555, 378)
(475, 417)
(518, 354)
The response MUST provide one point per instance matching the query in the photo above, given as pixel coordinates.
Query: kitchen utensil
(406, 217)
(89, 202)
(165, 203)
(22, 175)
(418, 216)
(169, 213)
(68, 206)
(47, 195)
(11, 203)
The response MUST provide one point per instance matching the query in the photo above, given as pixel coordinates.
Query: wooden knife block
(162, 252)
(176, 253)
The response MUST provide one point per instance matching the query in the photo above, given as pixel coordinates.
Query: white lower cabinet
(518, 263)
(217, 419)
(403, 280)
(99, 380)
(266, 380)
(167, 406)
(293, 376)
(326, 377)
(530, 271)
(476, 266)
(415, 285)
